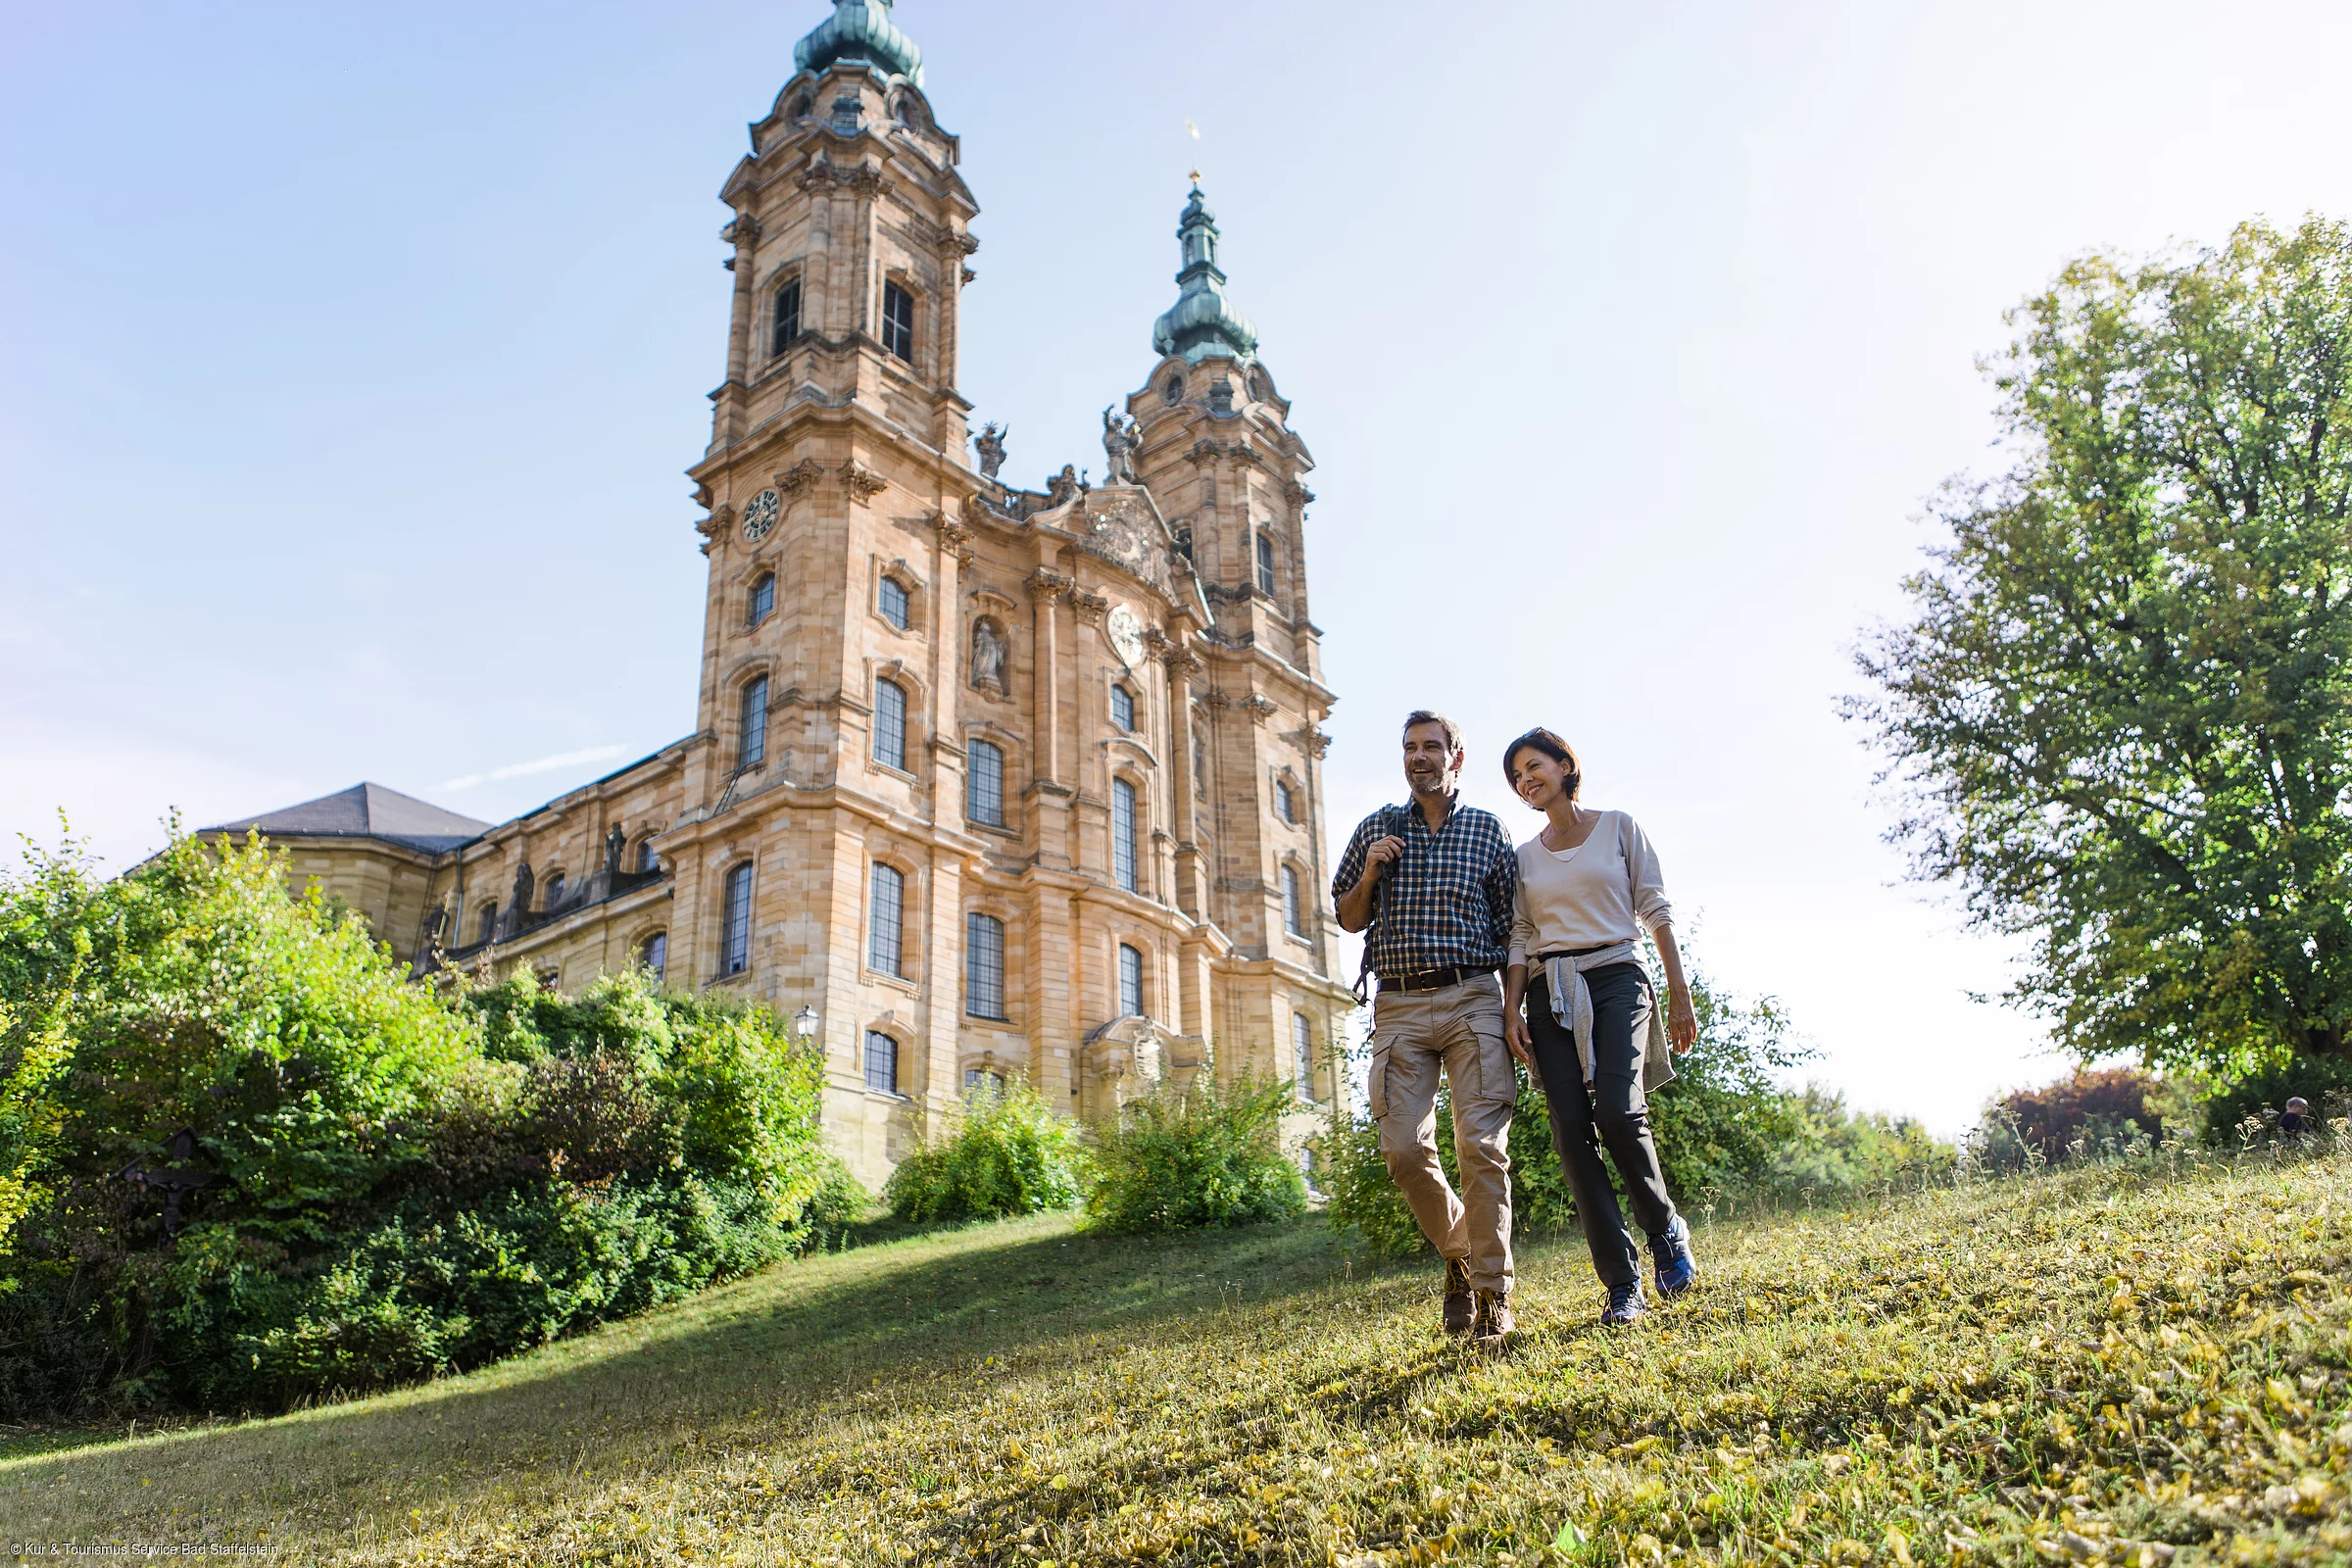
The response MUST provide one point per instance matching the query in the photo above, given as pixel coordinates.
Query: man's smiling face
(1430, 764)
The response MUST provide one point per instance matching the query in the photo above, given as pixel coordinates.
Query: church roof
(367, 811)
(1202, 322)
(861, 29)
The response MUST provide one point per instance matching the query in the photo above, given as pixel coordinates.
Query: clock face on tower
(760, 516)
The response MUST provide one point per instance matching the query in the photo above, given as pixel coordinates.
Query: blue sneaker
(1625, 1303)
(1678, 1270)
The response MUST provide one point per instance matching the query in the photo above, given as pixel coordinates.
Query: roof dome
(1201, 322)
(861, 29)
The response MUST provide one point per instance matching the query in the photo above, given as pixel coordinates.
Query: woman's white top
(1605, 891)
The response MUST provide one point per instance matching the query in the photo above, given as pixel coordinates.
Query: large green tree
(2118, 718)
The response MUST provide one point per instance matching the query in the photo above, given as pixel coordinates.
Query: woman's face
(1541, 780)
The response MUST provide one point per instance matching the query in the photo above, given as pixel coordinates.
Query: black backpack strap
(1390, 827)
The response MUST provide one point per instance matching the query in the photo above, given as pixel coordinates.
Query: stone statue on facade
(522, 888)
(991, 444)
(614, 842)
(1120, 441)
(987, 657)
(1062, 488)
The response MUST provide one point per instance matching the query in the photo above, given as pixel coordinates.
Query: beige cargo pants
(1459, 1028)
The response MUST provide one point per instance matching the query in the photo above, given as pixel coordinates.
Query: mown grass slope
(2117, 1364)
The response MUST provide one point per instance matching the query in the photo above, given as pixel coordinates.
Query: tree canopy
(2118, 718)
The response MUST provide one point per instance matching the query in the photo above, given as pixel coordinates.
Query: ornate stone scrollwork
(953, 537)
(1044, 585)
(1259, 707)
(1183, 662)
(863, 484)
(1318, 741)
(715, 525)
(1089, 606)
(1157, 643)
(789, 482)
(1300, 495)
(1216, 702)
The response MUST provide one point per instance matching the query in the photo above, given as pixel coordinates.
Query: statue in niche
(522, 887)
(614, 842)
(1184, 542)
(1120, 441)
(1062, 488)
(991, 443)
(987, 657)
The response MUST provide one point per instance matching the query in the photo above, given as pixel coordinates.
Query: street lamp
(804, 1024)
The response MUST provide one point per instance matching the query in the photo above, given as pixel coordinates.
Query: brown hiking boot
(1460, 1310)
(1492, 1321)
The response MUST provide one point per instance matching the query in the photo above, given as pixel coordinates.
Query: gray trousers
(1614, 1113)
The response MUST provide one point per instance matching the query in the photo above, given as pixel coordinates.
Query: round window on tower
(1173, 392)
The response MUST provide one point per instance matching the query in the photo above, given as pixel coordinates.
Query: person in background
(2295, 1120)
(1430, 884)
(1588, 887)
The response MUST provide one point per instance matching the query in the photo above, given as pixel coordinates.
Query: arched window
(489, 921)
(1285, 805)
(555, 890)
(1122, 708)
(751, 735)
(886, 921)
(1131, 982)
(983, 965)
(1292, 918)
(904, 109)
(898, 321)
(787, 326)
(1302, 1055)
(763, 601)
(1122, 833)
(891, 599)
(803, 107)
(735, 922)
(648, 862)
(982, 1078)
(984, 784)
(890, 723)
(1265, 562)
(881, 1062)
(654, 954)
(1173, 392)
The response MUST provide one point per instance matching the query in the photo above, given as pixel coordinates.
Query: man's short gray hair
(1422, 715)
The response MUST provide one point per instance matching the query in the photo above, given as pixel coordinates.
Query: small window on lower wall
(983, 1078)
(881, 1062)
(654, 954)
(1131, 982)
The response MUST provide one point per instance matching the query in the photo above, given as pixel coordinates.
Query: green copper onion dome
(861, 29)
(1200, 322)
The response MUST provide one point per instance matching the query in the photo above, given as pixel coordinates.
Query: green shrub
(1009, 1154)
(402, 1182)
(2323, 1080)
(1201, 1156)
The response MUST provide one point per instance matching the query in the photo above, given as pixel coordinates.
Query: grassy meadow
(2134, 1362)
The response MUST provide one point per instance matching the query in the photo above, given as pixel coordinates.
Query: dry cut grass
(2123, 1364)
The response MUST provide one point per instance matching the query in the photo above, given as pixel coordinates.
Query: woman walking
(1588, 887)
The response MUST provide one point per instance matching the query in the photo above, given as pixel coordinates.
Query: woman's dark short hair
(1560, 751)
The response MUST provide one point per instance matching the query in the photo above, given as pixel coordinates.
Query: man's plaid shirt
(1445, 901)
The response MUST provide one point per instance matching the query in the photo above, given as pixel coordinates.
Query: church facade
(982, 780)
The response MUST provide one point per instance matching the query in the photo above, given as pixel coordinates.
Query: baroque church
(983, 781)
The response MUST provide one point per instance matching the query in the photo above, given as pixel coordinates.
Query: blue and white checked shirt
(1445, 901)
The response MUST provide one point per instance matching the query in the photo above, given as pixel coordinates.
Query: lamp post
(804, 1024)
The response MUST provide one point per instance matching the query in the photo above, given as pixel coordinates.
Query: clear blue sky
(349, 359)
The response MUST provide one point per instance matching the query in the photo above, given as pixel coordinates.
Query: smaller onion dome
(861, 29)
(1201, 322)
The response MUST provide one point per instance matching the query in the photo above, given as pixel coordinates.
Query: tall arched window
(654, 954)
(647, 860)
(885, 925)
(892, 599)
(735, 922)
(1286, 803)
(763, 601)
(1265, 562)
(752, 734)
(1122, 833)
(489, 921)
(984, 783)
(881, 1062)
(890, 723)
(1294, 918)
(788, 315)
(983, 965)
(1122, 708)
(898, 321)
(1131, 982)
(1302, 1055)
(554, 890)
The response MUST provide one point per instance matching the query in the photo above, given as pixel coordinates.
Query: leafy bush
(1201, 1155)
(398, 1182)
(1009, 1154)
(1832, 1151)
(2054, 1116)
(2323, 1080)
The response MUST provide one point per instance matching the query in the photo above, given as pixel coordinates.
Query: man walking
(1433, 881)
